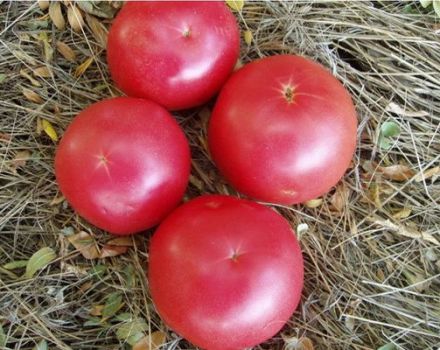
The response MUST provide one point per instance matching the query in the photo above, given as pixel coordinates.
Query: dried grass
(368, 282)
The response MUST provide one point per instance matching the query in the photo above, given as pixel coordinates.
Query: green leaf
(15, 264)
(112, 305)
(129, 329)
(68, 231)
(384, 142)
(2, 337)
(425, 3)
(390, 129)
(130, 276)
(42, 345)
(124, 317)
(2, 77)
(236, 5)
(389, 346)
(39, 261)
(134, 339)
(93, 322)
(436, 5)
(98, 271)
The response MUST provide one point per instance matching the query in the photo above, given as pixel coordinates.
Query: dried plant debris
(372, 258)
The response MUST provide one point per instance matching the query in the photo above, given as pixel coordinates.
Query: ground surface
(371, 247)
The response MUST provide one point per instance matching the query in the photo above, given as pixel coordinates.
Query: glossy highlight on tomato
(123, 164)
(225, 273)
(177, 53)
(283, 130)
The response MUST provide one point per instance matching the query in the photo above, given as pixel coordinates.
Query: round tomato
(176, 53)
(123, 164)
(283, 130)
(225, 273)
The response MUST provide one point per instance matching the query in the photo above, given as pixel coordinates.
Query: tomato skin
(123, 164)
(279, 151)
(225, 273)
(176, 53)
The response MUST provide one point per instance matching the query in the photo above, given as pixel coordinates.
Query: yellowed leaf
(75, 18)
(248, 37)
(402, 214)
(236, 5)
(66, 51)
(57, 200)
(26, 75)
(32, 96)
(427, 174)
(125, 241)
(151, 342)
(49, 130)
(80, 70)
(85, 244)
(23, 56)
(112, 250)
(20, 159)
(340, 198)
(238, 65)
(42, 72)
(313, 203)
(56, 15)
(397, 172)
(96, 310)
(48, 50)
(99, 31)
(44, 4)
(39, 126)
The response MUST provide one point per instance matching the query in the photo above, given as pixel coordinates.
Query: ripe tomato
(283, 130)
(123, 164)
(225, 273)
(176, 53)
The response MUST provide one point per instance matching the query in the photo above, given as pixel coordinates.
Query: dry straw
(371, 246)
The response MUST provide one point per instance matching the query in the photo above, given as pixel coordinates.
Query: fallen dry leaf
(427, 174)
(85, 244)
(26, 75)
(80, 70)
(99, 31)
(66, 51)
(56, 15)
(302, 343)
(75, 18)
(395, 108)
(151, 342)
(112, 250)
(57, 200)
(340, 198)
(32, 96)
(313, 203)
(85, 287)
(5, 137)
(44, 4)
(125, 241)
(96, 310)
(397, 172)
(20, 160)
(42, 72)
(404, 230)
(402, 214)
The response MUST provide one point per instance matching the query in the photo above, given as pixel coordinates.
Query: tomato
(123, 164)
(283, 130)
(176, 53)
(225, 273)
